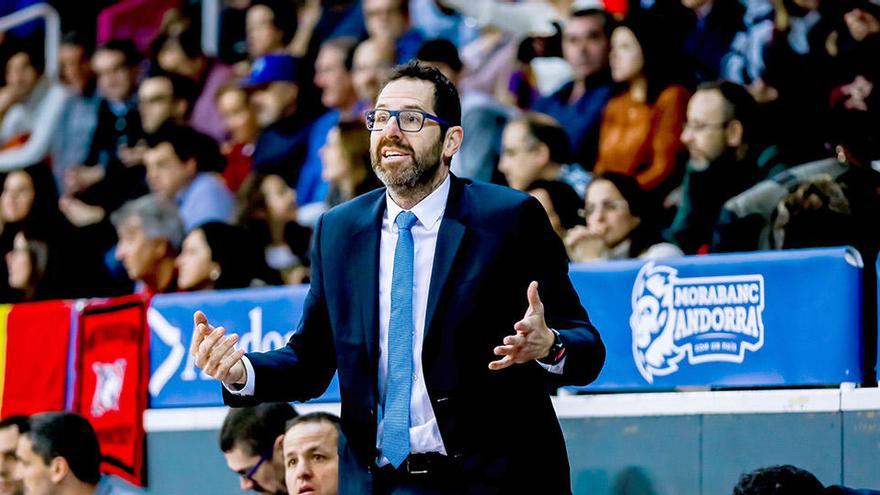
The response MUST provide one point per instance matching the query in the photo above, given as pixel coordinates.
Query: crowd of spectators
(648, 129)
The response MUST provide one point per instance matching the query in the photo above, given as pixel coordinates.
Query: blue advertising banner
(263, 318)
(782, 318)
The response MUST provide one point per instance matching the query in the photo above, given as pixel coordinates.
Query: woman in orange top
(639, 134)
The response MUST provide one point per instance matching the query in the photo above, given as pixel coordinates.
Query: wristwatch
(557, 350)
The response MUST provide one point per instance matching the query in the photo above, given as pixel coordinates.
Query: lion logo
(706, 319)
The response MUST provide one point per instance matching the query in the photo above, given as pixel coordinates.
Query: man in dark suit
(416, 291)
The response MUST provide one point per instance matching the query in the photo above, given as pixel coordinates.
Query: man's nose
(392, 128)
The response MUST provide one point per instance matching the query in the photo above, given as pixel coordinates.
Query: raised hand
(215, 352)
(533, 338)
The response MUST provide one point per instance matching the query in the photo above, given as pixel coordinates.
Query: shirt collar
(428, 210)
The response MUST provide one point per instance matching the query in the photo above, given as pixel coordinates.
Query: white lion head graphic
(108, 386)
(652, 321)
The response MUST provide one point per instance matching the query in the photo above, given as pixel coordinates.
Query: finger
(514, 340)
(523, 326)
(207, 346)
(535, 304)
(505, 350)
(223, 348)
(227, 364)
(199, 319)
(501, 363)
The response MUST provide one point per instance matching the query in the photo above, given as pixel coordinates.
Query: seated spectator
(333, 78)
(311, 455)
(163, 99)
(31, 107)
(270, 26)
(283, 142)
(251, 439)
(389, 20)
(35, 269)
(150, 233)
(240, 126)
(561, 203)
(371, 63)
(216, 255)
(621, 223)
(29, 200)
(175, 165)
(642, 124)
(267, 209)
(534, 146)
(71, 141)
(182, 54)
(11, 429)
(346, 160)
(59, 454)
(578, 105)
(104, 180)
(724, 160)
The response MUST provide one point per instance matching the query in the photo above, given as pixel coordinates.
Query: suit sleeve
(303, 368)
(548, 264)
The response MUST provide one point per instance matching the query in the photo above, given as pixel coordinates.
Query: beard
(420, 172)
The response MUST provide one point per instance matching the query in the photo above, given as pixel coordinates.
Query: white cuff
(248, 389)
(554, 368)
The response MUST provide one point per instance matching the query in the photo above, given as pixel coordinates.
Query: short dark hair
(255, 429)
(608, 22)
(447, 104)
(314, 417)
(283, 17)
(67, 435)
(126, 47)
(546, 130)
(189, 143)
(442, 51)
(778, 480)
(738, 105)
(182, 87)
(21, 422)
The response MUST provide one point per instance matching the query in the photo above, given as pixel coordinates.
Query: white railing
(53, 30)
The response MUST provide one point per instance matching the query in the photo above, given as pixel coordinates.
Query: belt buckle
(418, 467)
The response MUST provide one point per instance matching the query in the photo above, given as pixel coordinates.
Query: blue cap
(271, 68)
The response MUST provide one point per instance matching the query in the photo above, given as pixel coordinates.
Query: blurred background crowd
(647, 129)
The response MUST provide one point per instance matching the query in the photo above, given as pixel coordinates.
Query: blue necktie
(395, 434)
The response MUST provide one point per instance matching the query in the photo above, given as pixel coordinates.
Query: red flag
(34, 345)
(112, 376)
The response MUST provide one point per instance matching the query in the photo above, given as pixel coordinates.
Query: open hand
(533, 338)
(215, 353)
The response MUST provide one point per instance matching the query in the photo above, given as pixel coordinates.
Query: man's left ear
(452, 142)
(734, 134)
(58, 469)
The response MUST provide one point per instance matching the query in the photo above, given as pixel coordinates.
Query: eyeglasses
(248, 475)
(407, 120)
(610, 205)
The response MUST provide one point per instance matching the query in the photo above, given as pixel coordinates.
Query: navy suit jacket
(499, 426)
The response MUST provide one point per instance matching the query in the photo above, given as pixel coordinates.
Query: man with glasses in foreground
(250, 439)
(425, 298)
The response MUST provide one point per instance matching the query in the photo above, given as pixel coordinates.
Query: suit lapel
(452, 230)
(365, 261)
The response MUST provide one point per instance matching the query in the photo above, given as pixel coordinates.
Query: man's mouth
(306, 489)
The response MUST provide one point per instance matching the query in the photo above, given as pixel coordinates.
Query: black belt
(426, 464)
